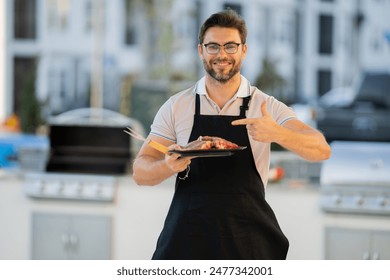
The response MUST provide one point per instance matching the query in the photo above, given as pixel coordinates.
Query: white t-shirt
(175, 118)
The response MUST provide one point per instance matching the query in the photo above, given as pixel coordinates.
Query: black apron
(219, 211)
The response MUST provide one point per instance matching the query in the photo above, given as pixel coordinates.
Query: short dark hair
(227, 18)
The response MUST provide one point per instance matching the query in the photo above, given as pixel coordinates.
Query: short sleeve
(280, 112)
(163, 125)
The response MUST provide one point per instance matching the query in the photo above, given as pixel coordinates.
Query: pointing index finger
(243, 122)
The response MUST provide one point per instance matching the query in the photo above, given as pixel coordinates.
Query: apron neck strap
(197, 104)
(243, 108)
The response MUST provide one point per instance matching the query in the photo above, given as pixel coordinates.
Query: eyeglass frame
(224, 47)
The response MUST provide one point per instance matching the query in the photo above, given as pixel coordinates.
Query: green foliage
(30, 113)
(269, 79)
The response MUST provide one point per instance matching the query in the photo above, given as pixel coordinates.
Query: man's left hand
(263, 129)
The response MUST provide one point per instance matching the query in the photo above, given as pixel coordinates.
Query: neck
(221, 93)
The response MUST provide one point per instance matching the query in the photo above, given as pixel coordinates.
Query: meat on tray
(210, 142)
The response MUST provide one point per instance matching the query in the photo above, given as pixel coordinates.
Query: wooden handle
(158, 146)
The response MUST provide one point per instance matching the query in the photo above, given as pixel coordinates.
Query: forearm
(293, 135)
(309, 144)
(148, 171)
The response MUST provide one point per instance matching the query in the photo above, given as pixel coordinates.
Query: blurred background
(129, 55)
(74, 71)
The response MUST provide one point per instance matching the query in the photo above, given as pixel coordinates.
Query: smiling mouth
(222, 63)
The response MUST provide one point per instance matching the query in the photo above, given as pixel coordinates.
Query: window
(297, 33)
(198, 18)
(325, 34)
(25, 24)
(88, 16)
(24, 80)
(64, 82)
(95, 16)
(130, 36)
(285, 29)
(234, 7)
(58, 14)
(324, 81)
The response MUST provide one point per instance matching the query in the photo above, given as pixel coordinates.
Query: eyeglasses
(214, 48)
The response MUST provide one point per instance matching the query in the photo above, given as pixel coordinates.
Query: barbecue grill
(355, 199)
(356, 179)
(88, 149)
(90, 140)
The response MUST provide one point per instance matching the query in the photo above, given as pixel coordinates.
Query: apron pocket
(218, 215)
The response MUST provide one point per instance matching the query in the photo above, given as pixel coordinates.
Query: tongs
(153, 144)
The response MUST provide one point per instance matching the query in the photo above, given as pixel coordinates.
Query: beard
(220, 76)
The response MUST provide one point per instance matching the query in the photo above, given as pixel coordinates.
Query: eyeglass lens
(215, 48)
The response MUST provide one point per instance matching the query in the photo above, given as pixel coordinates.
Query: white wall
(2, 59)
(137, 214)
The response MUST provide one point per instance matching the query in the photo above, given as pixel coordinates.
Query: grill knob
(360, 200)
(383, 201)
(337, 199)
(38, 186)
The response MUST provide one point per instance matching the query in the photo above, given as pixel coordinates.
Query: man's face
(222, 66)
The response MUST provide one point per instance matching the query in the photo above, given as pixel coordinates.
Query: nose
(222, 51)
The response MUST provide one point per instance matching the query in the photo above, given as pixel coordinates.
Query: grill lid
(358, 164)
(91, 140)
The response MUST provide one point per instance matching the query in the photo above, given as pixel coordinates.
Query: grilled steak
(210, 142)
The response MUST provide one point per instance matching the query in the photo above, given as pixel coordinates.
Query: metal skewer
(134, 134)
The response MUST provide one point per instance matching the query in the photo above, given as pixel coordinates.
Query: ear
(244, 50)
(200, 51)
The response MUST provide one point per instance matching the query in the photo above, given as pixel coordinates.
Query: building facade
(86, 52)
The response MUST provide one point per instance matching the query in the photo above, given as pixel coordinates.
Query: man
(219, 210)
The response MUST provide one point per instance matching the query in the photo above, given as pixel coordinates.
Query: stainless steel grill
(88, 149)
(90, 140)
(357, 178)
